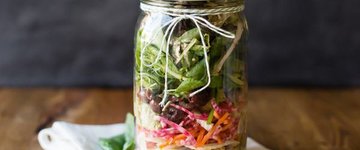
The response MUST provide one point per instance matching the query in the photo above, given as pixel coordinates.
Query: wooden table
(279, 118)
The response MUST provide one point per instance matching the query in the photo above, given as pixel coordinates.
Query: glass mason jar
(190, 77)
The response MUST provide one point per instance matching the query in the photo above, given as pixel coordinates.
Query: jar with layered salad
(190, 82)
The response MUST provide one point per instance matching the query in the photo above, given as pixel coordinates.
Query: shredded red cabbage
(192, 115)
(180, 129)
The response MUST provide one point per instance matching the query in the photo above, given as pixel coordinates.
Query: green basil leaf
(125, 141)
(114, 143)
(130, 133)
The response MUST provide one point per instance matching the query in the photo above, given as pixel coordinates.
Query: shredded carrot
(161, 146)
(176, 138)
(200, 137)
(226, 121)
(193, 132)
(212, 130)
(218, 139)
(216, 115)
(180, 137)
(226, 127)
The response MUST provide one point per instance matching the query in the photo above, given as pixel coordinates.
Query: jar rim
(194, 3)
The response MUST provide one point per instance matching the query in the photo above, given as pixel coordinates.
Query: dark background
(90, 42)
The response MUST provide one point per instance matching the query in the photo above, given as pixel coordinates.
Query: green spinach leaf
(189, 85)
(189, 35)
(198, 71)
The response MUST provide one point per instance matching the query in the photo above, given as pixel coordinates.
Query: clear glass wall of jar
(190, 82)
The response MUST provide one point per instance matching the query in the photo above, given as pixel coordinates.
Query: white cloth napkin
(68, 136)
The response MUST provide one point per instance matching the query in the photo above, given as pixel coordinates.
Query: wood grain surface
(279, 118)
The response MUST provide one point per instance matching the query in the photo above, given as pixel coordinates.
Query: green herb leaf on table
(114, 143)
(130, 133)
(125, 141)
